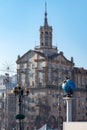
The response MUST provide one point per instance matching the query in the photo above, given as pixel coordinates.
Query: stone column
(69, 108)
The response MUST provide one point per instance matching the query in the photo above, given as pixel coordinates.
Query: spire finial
(45, 7)
(45, 20)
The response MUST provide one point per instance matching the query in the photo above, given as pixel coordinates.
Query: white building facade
(43, 70)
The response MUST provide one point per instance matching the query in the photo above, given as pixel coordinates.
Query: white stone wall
(75, 126)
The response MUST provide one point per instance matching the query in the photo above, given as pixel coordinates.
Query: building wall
(2, 106)
(43, 70)
(10, 110)
(75, 125)
(44, 74)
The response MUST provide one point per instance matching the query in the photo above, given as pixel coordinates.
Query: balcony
(41, 47)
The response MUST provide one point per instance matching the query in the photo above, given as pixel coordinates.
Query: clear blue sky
(20, 21)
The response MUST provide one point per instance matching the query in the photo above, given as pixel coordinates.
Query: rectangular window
(40, 75)
(32, 83)
(39, 65)
(33, 75)
(22, 67)
(33, 66)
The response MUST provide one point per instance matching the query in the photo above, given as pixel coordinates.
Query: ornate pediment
(60, 58)
(26, 56)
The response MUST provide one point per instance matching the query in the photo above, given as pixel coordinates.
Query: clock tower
(46, 36)
(46, 33)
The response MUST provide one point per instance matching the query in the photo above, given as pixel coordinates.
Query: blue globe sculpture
(68, 86)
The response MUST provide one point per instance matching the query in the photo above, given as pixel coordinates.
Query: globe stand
(68, 99)
(68, 95)
(68, 87)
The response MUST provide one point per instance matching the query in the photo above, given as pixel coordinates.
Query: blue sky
(19, 28)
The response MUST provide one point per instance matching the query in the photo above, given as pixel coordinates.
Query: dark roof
(43, 55)
(40, 53)
(80, 70)
(20, 57)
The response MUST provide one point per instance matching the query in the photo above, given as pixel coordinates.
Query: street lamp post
(20, 93)
(58, 112)
(58, 96)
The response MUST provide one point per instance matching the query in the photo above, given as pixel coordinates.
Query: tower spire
(45, 19)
